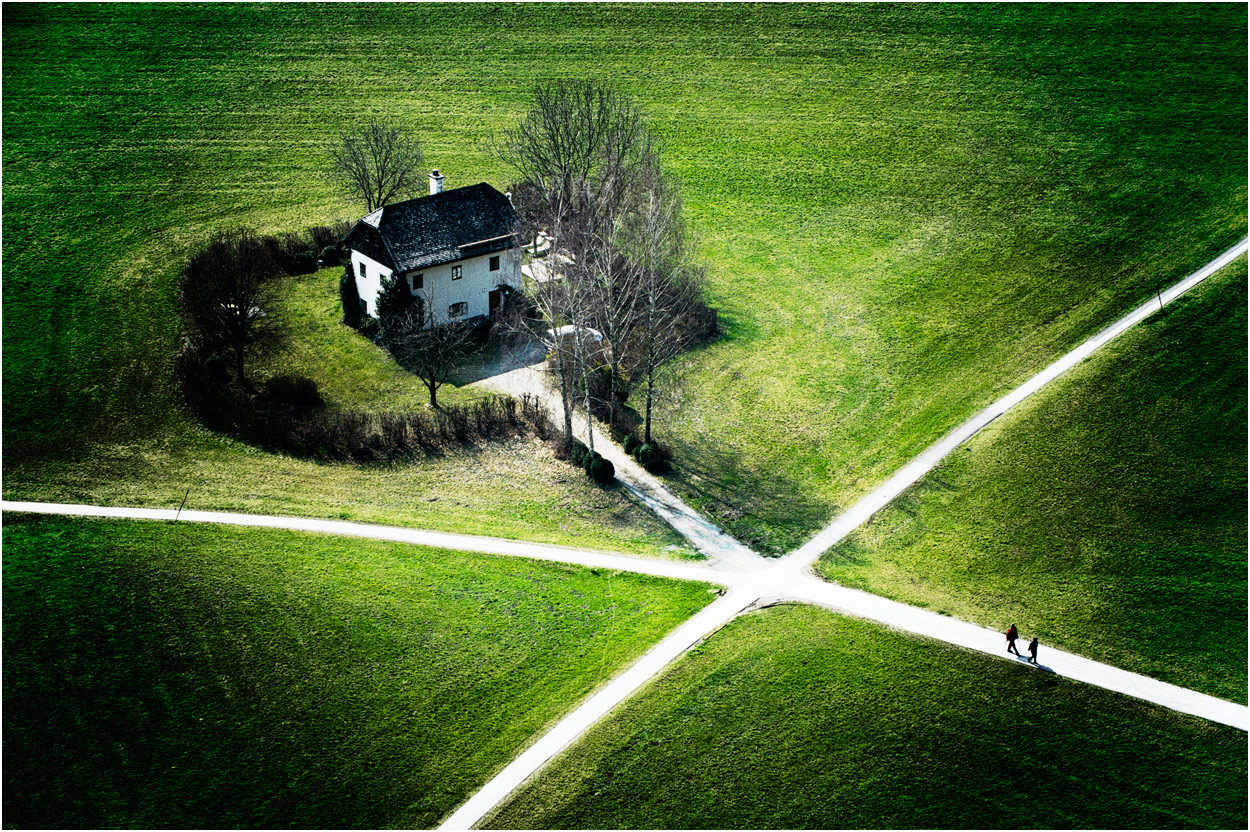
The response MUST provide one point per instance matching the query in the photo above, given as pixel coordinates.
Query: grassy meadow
(905, 209)
(798, 718)
(1107, 514)
(159, 675)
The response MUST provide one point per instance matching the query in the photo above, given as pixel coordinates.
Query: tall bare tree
(580, 154)
(670, 313)
(377, 163)
(228, 296)
(426, 348)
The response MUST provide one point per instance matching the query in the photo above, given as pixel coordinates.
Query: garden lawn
(798, 718)
(906, 209)
(350, 370)
(172, 676)
(1106, 514)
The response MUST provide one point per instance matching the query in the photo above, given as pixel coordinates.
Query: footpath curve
(420, 537)
(720, 549)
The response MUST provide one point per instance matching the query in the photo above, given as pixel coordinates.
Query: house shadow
(500, 355)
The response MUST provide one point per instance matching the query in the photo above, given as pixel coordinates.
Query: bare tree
(426, 348)
(581, 154)
(669, 287)
(228, 296)
(377, 163)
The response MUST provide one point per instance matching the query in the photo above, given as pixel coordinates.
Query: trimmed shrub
(329, 256)
(578, 452)
(304, 262)
(353, 315)
(329, 235)
(631, 443)
(297, 391)
(652, 456)
(599, 469)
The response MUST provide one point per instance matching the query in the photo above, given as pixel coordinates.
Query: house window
(418, 281)
(364, 307)
(494, 263)
(456, 310)
(362, 269)
(456, 272)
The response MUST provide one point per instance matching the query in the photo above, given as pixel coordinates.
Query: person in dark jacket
(1012, 635)
(1033, 650)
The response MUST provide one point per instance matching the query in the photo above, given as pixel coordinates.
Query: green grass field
(173, 676)
(906, 209)
(349, 369)
(797, 718)
(1107, 514)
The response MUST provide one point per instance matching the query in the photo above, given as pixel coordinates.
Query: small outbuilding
(457, 250)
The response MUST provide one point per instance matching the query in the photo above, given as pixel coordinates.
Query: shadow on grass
(767, 512)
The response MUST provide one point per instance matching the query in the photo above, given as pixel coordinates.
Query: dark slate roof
(435, 229)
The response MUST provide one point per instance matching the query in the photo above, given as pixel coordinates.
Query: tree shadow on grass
(767, 512)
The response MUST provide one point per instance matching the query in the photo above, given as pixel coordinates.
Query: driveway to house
(514, 377)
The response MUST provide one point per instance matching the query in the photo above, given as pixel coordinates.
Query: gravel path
(721, 550)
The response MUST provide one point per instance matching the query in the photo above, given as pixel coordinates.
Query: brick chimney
(436, 182)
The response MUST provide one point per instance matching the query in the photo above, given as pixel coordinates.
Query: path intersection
(750, 581)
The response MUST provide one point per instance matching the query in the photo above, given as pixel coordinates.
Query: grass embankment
(161, 675)
(906, 208)
(513, 489)
(922, 207)
(797, 718)
(1107, 514)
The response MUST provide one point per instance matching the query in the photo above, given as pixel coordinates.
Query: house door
(496, 298)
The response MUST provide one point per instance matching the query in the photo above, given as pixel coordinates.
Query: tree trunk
(566, 400)
(238, 366)
(646, 431)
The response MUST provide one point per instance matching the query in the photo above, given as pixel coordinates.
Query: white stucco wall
(368, 285)
(439, 291)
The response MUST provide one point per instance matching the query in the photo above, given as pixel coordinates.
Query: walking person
(1033, 650)
(1012, 635)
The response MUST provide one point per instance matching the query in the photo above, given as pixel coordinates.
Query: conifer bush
(599, 469)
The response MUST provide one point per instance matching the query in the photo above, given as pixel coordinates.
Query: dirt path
(420, 537)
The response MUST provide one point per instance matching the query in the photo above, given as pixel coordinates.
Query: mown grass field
(906, 209)
(1107, 515)
(798, 718)
(172, 676)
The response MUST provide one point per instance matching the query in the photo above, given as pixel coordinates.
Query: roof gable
(439, 228)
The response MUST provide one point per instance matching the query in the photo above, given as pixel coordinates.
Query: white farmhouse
(457, 250)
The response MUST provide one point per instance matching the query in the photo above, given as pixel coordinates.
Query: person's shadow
(1039, 666)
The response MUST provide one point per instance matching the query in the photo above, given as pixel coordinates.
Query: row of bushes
(650, 455)
(287, 414)
(596, 467)
(298, 253)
